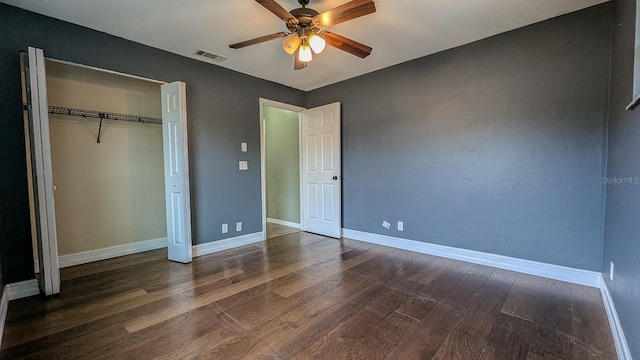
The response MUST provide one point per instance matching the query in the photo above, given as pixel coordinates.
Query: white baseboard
(4, 306)
(111, 252)
(556, 272)
(284, 223)
(225, 244)
(15, 291)
(22, 289)
(622, 348)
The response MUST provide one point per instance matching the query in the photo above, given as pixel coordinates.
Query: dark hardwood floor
(275, 230)
(304, 296)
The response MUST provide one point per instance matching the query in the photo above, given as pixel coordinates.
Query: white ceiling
(399, 31)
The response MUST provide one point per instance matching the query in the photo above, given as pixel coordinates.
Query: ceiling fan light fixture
(317, 43)
(291, 44)
(304, 54)
(306, 29)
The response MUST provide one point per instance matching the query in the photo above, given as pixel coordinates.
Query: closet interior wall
(109, 193)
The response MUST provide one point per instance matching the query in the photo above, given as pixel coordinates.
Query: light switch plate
(239, 226)
(243, 147)
(243, 165)
(400, 226)
(225, 228)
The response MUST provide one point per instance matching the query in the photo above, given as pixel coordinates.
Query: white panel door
(176, 171)
(321, 171)
(40, 146)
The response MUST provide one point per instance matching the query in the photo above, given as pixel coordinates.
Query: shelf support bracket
(100, 127)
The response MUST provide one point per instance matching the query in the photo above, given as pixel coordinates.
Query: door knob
(335, 178)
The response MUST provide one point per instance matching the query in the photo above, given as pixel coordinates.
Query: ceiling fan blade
(297, 64)
(278, 10)
(345, 44)
(345, 12)
(258, 40)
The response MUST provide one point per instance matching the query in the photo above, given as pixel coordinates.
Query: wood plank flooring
(275, 230)
(304, 296)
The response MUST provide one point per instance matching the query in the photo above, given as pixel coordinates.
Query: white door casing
(176, 171)
(321, 171)
(40, 145)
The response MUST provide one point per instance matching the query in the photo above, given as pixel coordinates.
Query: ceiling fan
(307, 29)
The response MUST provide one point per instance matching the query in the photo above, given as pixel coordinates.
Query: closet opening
(108, 172)
(96, 145)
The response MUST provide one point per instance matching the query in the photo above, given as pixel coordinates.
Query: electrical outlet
(239, 226)
(400, 226)
(243, 147)
(225, 228)
(611, 270)
(243, 165)
(386, 225)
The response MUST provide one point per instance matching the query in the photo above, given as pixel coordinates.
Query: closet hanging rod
(62, 110)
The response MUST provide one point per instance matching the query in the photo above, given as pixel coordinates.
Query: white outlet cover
(243, 147)
(239, 226)
(225, 228)
(386, 225)
(400, 226)
(243, 165)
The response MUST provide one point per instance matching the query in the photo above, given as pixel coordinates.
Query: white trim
(4, 306)
(284, 223)
(226, 244)
(111, 252)
(562, 273)
(622, 348)
(22, 289)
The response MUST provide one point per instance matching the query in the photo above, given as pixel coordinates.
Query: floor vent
(210, 55)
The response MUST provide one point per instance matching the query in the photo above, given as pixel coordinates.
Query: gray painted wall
(282, 152)
(494, 146)
(623, 200)
(223, 111)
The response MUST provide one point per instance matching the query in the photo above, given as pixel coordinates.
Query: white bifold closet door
(176, 171)
(43, 189)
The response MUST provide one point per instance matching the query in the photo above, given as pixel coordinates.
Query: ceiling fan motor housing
(305, 19)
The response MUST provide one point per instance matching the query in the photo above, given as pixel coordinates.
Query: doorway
(281, 156)
(319, 179)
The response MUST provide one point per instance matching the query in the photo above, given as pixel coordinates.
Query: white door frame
(263, 158)
(38, 141)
